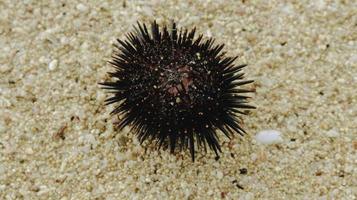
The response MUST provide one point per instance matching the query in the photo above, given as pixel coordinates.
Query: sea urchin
(176, 90)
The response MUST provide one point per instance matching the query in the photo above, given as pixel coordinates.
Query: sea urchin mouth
(175, 89)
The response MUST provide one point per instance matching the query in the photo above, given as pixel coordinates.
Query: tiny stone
(53, 65)
(332, 133)
(269, 137)
(318, 173)
(81, 7)
(239, 186)
(341, 174)
(243, 171)
(178, 100)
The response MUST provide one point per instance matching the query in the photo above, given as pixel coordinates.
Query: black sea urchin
(176, 90)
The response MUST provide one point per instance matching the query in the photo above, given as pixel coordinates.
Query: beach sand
(57, 139)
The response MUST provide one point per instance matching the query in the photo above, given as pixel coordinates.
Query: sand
(57, 139)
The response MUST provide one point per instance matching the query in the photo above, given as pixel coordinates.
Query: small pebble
(81, 7)
(53, 65)
(243, 171)
(332, 133)
(269, 137)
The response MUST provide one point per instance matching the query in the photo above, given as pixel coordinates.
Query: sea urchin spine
(176, 90)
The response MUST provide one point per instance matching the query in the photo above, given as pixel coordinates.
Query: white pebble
(53, 65)
(81, 7)
(332, 133)
(269, 137)
(288, 9)
(43, 190)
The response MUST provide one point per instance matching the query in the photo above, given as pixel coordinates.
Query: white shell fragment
(269, 137)
(53, 65)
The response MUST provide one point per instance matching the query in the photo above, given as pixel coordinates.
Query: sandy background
(57, 140)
